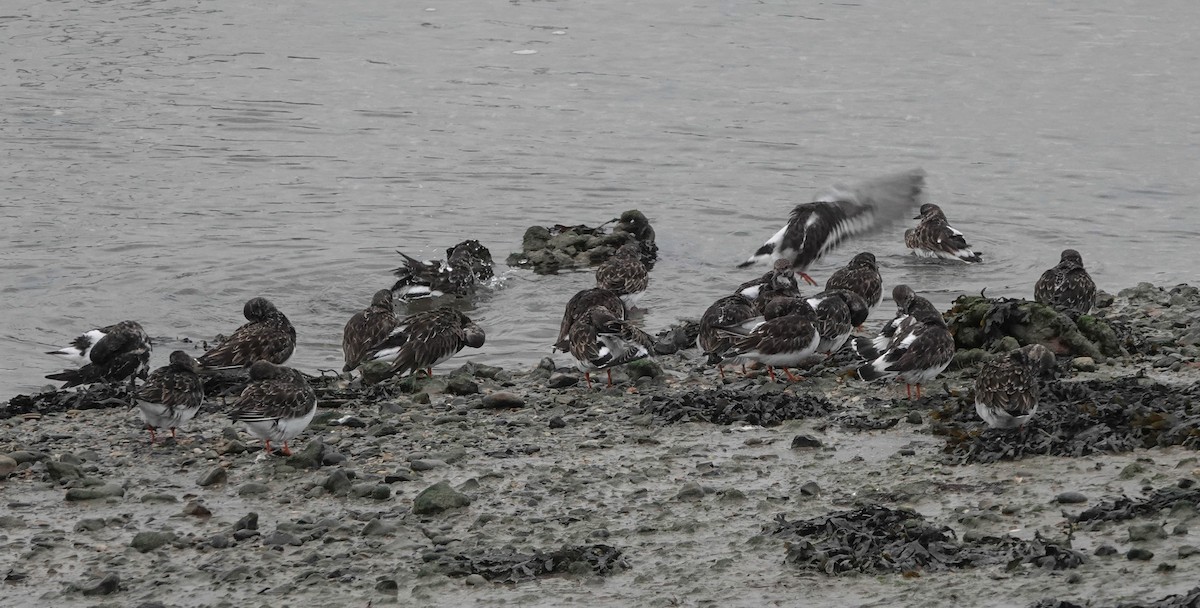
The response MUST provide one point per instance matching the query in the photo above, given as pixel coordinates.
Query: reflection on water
(166, 161)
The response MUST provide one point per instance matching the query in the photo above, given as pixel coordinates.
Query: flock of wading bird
(764, 321)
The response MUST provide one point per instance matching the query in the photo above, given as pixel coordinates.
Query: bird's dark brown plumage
(367, 328)
(123, 353)
(1067, 287)
(268, 336)
(861, 276)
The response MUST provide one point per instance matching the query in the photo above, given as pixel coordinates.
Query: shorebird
(579, 305)
(467, 264)
(778, 282)
(276, 405)
(110, 354)
(1006, 389)
(423, 340)
(917, 354)
(267, 336)
(786, 337)
(625, 274)
(171, 395)
(600, 340)
(728, 311)
(815, 228)
(1067, 287)
(873, 348)
(934, 237)
(861, 276)
(367, 328)
(837, 313)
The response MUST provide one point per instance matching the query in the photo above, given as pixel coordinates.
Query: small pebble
(690, 491)
(1139, 555)
(253, 488)
(805, 441)
(1146, 531)
(1070, 498)
(560, 380)
(213, 475)
(503, 400)
(108, 585)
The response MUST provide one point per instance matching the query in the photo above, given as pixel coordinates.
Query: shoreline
(630, 497)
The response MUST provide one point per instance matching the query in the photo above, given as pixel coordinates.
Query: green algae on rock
(980, 322)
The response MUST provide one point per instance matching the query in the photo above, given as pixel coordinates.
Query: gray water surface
(166, 160)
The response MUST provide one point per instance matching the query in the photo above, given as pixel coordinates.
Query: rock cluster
(547, 250)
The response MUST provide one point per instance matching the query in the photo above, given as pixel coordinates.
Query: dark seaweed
(1077, 419)
(736, 405)
(507, 566)
(1191, 599)
(879, 540)
(1128, 508)
(92, 397)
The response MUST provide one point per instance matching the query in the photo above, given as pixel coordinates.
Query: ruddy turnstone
(276, 405)
(836, 313)
(729, 311)
(367, 328)
(600, 340)
(109, 354)
(636, 225)
(1006, 389)
(786, 338)
(872, 348)
(425, 339)
(778, 282)
(840, 213)
(861, 276)
(1067, 287)
(934, 237)
(625, 274)
(268, 336)
(467, 264)
(579, 305)
(79, 352)
(917, 354)
(171, 395)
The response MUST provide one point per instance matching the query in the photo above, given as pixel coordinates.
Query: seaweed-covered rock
(741, 405)
(876, 540)
(92, 397)
(1191, 599)
(1076, 419)
(508, 566)
(547, 250)
(676, 337)
(982, 322)
(1128, 508)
